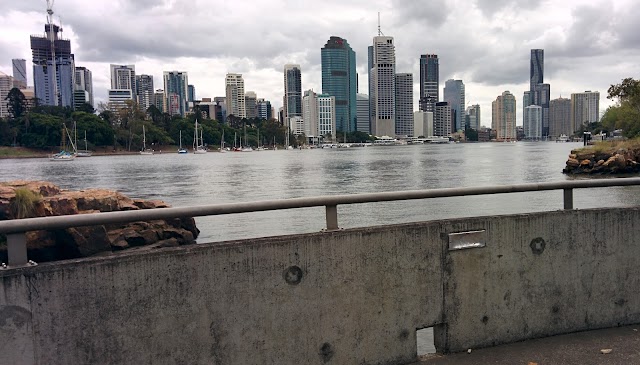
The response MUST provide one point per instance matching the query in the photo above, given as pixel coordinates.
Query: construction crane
(53, 50)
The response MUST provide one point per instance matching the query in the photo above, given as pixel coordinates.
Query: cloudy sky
(588, 44)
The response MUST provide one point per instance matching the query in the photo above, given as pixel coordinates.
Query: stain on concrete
(13, 317)
(485, 319)
(537, 245)
(555, 309)
(620, 302)
(293, 275)
(326, 352)
(404, 334)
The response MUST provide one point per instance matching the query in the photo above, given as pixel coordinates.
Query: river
(187, 180)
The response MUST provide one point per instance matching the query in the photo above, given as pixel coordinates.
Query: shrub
(23, 205)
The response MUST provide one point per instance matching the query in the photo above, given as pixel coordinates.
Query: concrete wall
(353, 296)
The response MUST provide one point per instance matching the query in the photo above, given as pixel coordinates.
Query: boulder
(584, 163)
(79, 242)
(572, 162)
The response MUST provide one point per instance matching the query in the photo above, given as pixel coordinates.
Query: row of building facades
(387, 109)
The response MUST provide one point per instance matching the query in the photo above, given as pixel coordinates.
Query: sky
(486, 43)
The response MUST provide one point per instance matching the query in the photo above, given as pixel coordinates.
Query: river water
(187, 180)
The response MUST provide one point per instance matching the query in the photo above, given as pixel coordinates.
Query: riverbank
(22, 152)
(605, 158)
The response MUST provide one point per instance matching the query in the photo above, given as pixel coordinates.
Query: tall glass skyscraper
(53, 79)
(539, 92)
(339, 79)
(429, 82)
(292, 103)
(176, 91)
(454, 94)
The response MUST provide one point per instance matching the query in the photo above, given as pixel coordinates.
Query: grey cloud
(431, 14)
(491, 7)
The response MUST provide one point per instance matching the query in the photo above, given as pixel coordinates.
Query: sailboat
(222, 149)
(198, 146)
(181, 149)
(260, 148)
(64, 155)
(144, 150)
(85, 152)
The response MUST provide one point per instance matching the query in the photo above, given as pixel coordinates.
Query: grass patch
(612, 146)
(19, 152)
(24, 203)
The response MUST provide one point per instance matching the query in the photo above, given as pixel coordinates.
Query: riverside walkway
(582, 348)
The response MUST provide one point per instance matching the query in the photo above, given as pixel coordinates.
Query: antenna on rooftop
(379, 31)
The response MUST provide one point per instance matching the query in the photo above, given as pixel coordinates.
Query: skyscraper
(160, 101)
(404, 104)
(53, 78)
(429, 82)
(442, 119)
(542, 95)
(191, 93)
(539, 92)
(123, 77)
(339, 78)
(292, 91)
(454, 94)
(176, 91)
(251, 103)
(19, 73)
(264, 109)
(560, 117)
(362, 112)
(310, 112)
(585, 109)
(532, 123)
(144, 91)
(382, 91)
(327, 116)
(473, 117)
(503, 117)
(234, 86)
(6, 84)
(83, 89)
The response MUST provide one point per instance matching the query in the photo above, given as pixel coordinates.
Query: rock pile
(71, 243)
(588, 161)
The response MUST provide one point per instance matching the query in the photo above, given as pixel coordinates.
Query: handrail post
(17, 249)
(568, 199)
(332, 217)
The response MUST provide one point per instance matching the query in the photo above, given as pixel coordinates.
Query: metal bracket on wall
(465, 240)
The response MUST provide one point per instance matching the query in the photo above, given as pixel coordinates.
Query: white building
(423, 124)
(362, 113)
(326, 116)
(6, 84)
(123, 77)
(235, 95)
(532, 122)
(585, 108)
(382, 89)
(118, 98)
(298, 126)
(310, 112)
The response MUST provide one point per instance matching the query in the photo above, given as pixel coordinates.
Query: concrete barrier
(353, 296)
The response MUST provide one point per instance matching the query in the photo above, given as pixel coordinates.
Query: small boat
(64, 155)
(182, 150)
(144, 150)
(85, 152)
(198, 145)
(563, 138)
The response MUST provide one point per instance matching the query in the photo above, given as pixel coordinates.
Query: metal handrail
(16, 228)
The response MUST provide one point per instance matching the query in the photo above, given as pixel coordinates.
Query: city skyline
(490, 54)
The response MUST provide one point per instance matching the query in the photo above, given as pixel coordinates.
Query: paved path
(581, 348)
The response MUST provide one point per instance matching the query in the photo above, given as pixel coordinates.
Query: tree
(625, 114)
(17, 103)
(471, 134)
(86, 107)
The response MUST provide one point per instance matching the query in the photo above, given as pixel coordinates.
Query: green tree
(471, 134)
(86, 107)
(625, 114)
(17, 103)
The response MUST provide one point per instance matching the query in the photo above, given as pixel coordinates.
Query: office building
(542, 96)
(503, 117)
(339, 79)
(234, 86)
(404, 104)
(585, 109)
(422, 124)
(264, 109)
(382, 90)
(536, 72)
(362, 113)
(6, 84)
(429, 82)
(83, 87)
(221, 110)
(191, 93)
(326, 116)
(176, 92)
(19, 73)
(292, 91)
(159, 100)
(560, 117)
(532, 123)
(310, 112)
(123, 77)
(473, 119)
(53, 78)
(526, 101)
(144, 91)
(442, 119)
(454, 95)
(119, 98)
(251, 103)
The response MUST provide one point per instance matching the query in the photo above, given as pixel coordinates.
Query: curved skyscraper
(339, 79)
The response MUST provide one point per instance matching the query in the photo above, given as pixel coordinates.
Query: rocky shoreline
(594, 161)
(47, 199)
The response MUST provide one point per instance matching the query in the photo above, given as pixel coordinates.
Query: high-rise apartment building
(19, 73)
(362, 113)
(503, 117)
(542, 96)
(191, 93)
(532, 123)
(429, 82)
(560, 117)
(144, 91)
(339, 78)
(123, 77)
(327, 116)
(53, 72)
(264, 109)
(159, 100)
(6, 84)
(423, 124)
(235, 95)
(454, 95)
(404, 104)
(251, 103)
(310, 112)
(585, 109)
(473, 119)
(382, 90)
(442, 119)
(83, 87)
(176, 92)
(292, 91)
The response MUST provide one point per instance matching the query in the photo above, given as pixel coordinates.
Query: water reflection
(213, 178)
